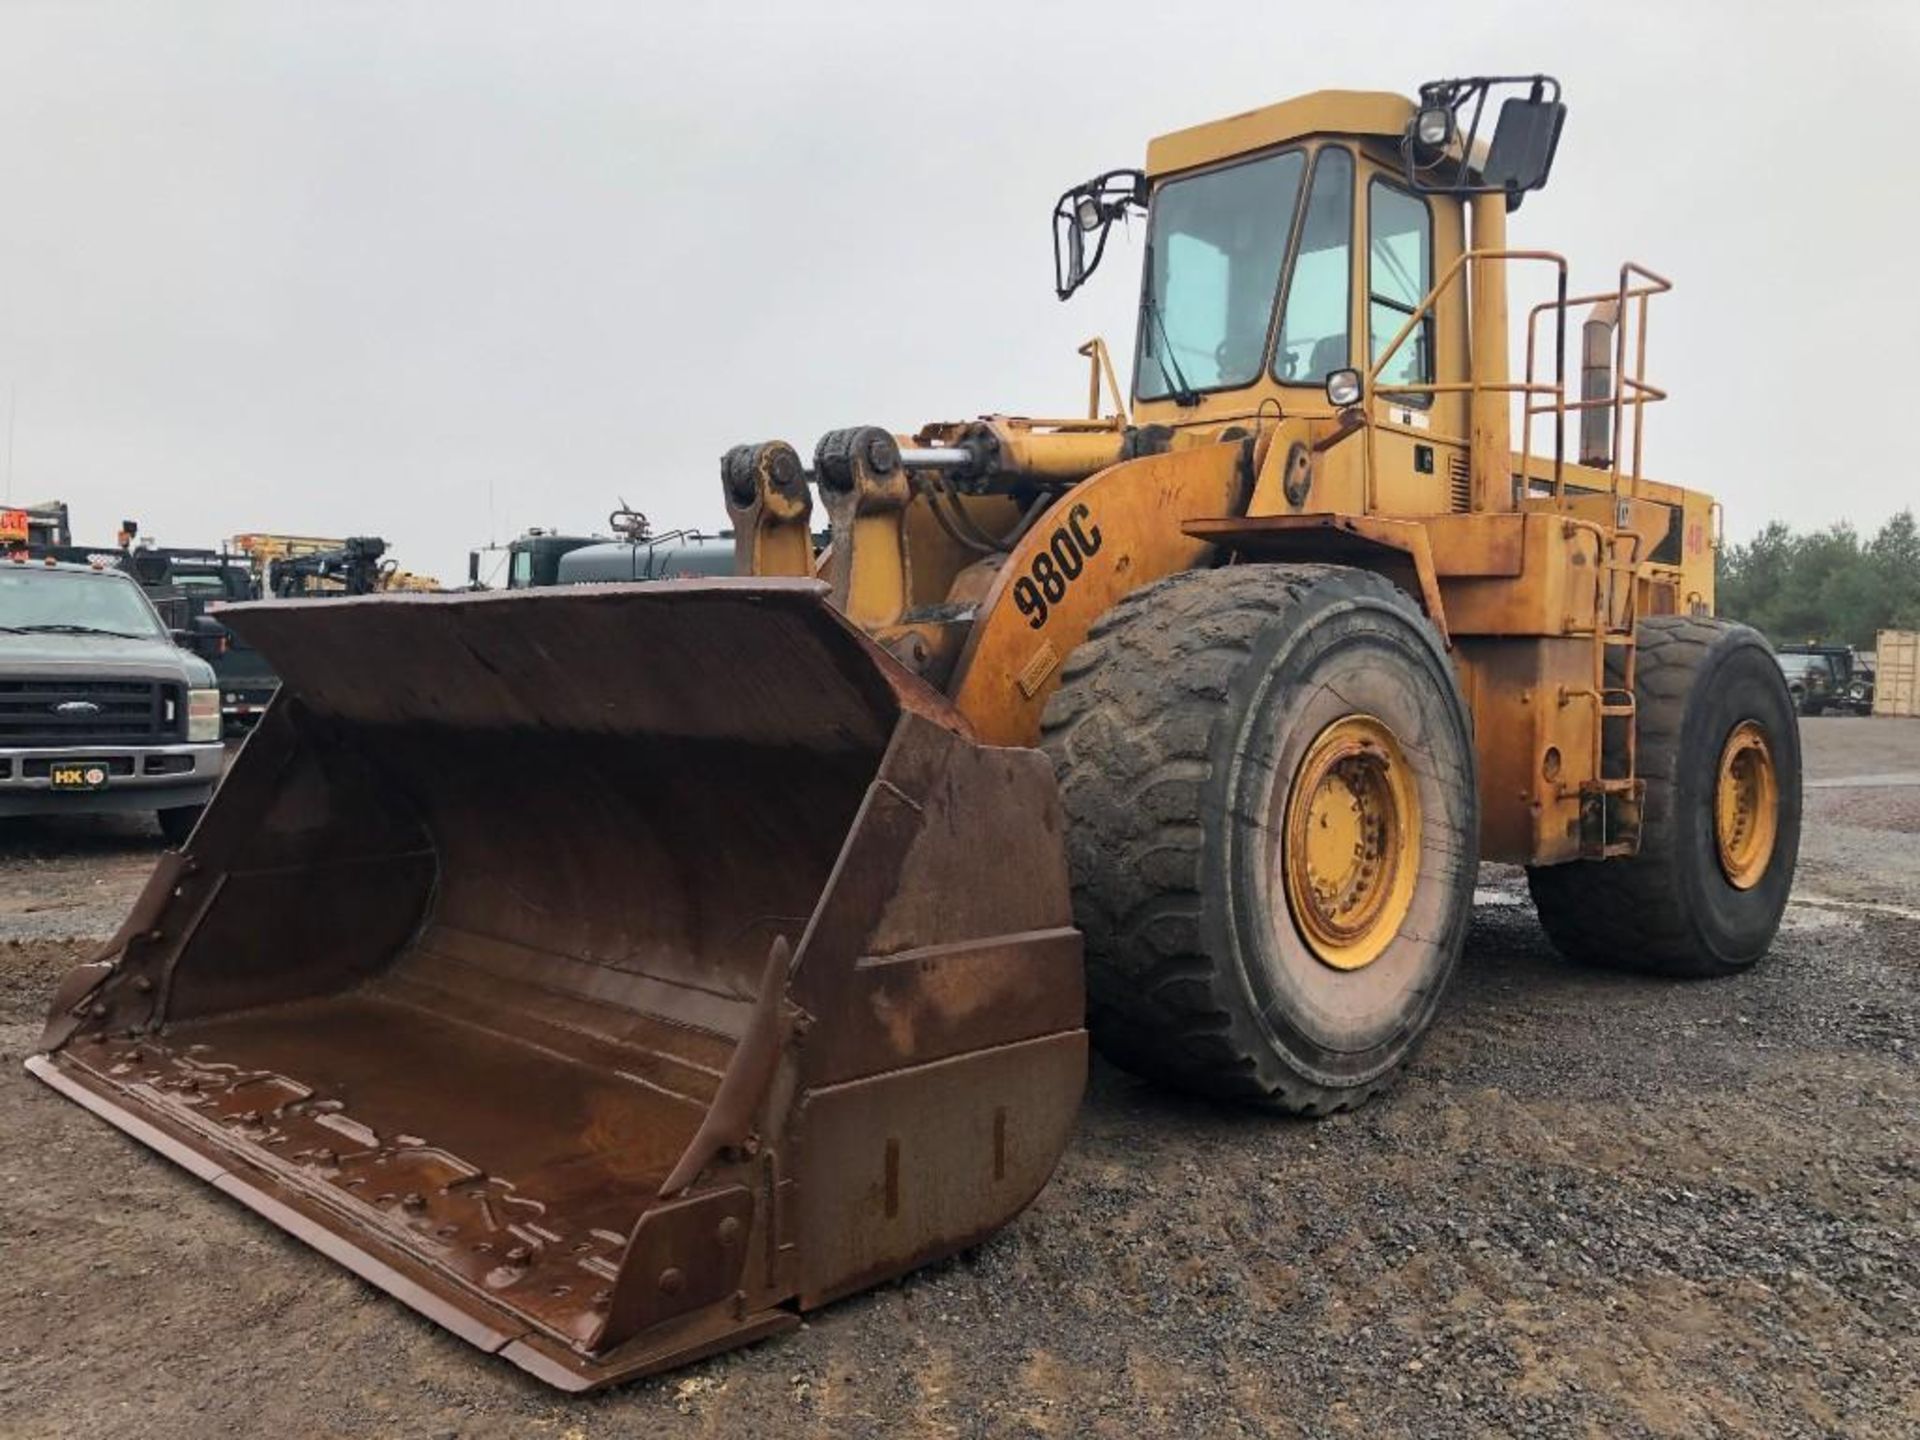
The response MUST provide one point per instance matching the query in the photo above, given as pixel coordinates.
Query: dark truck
(183, 584)
(541, 558)
(1827, 676)
(100, 710)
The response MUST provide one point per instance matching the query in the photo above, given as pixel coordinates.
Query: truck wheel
(1720, 752)
(177, 824)
(1272, 830)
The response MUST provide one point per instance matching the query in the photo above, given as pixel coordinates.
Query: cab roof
(1324, 112)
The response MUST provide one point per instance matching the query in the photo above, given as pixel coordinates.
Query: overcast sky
(441, 271)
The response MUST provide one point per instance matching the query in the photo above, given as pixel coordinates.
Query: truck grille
(91, 712)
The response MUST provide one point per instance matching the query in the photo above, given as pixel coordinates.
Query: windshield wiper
(64, 629)
(1184, 394)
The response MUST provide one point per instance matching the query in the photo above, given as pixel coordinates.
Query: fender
(1105, 538)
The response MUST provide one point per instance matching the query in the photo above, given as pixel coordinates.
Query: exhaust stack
(1596, 384)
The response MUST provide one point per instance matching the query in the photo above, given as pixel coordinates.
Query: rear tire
(177, 824)
(1206, 717)
(1675, 908)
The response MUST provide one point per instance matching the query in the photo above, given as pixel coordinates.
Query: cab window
(1399, 274)
(1215, 245)
(1313, 330)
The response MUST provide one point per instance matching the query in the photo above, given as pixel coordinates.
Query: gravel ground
(1597, 1206)
(73, 875)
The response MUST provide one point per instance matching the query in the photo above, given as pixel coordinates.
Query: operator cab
(1276, 238)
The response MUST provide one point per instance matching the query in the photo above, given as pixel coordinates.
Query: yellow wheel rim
(1349, 851)
(1746, 805)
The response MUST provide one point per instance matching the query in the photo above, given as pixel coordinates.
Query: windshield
(55, 601)
(1215, 246)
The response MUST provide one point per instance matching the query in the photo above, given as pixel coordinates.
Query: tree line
(1827, 585)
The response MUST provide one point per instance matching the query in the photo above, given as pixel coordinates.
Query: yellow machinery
(266, 551)
(611, 972)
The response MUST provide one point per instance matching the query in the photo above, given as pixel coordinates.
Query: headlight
(203, 714)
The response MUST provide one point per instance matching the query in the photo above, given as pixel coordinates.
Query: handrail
(1627, 270)
(1630, 388)
(1475, 386)
(1643, 393)
(1100, 365)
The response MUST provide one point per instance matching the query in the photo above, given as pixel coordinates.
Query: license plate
(78, 775)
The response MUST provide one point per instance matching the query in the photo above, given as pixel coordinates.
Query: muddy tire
(1208, 716)
(1705, 894)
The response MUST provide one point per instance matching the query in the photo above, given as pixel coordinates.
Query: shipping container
(1897, 658)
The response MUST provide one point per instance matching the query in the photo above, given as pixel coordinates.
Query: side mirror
(1090, 209)
(1524, 139)
(1076, 264)
(473, 568)
(1442, 150)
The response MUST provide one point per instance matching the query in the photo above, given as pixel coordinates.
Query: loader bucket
(607, 973)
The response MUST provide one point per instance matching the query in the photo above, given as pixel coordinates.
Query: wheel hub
(1349, 848)
(1746, 805)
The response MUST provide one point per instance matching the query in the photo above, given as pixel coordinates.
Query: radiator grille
(62, 712)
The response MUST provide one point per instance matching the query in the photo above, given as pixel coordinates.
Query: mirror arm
(1350, 421)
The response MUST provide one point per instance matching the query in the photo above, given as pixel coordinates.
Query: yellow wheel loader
(612, 973)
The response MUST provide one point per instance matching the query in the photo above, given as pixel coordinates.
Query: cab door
(1420, 450)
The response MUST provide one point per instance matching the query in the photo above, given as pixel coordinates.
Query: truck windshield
(36, 600)
(1215, 246)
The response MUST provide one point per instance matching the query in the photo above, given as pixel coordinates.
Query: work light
(1434, 126)
(1343, 388)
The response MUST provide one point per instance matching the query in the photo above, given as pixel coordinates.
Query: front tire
(1273, 830)
(1719, 749)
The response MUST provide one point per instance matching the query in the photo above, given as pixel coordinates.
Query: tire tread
(1134, 719)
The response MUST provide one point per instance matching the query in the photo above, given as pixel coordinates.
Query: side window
(1399, 274)
(520, 576)
(1313, 330)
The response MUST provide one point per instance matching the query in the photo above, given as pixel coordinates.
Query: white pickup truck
(99, 709)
